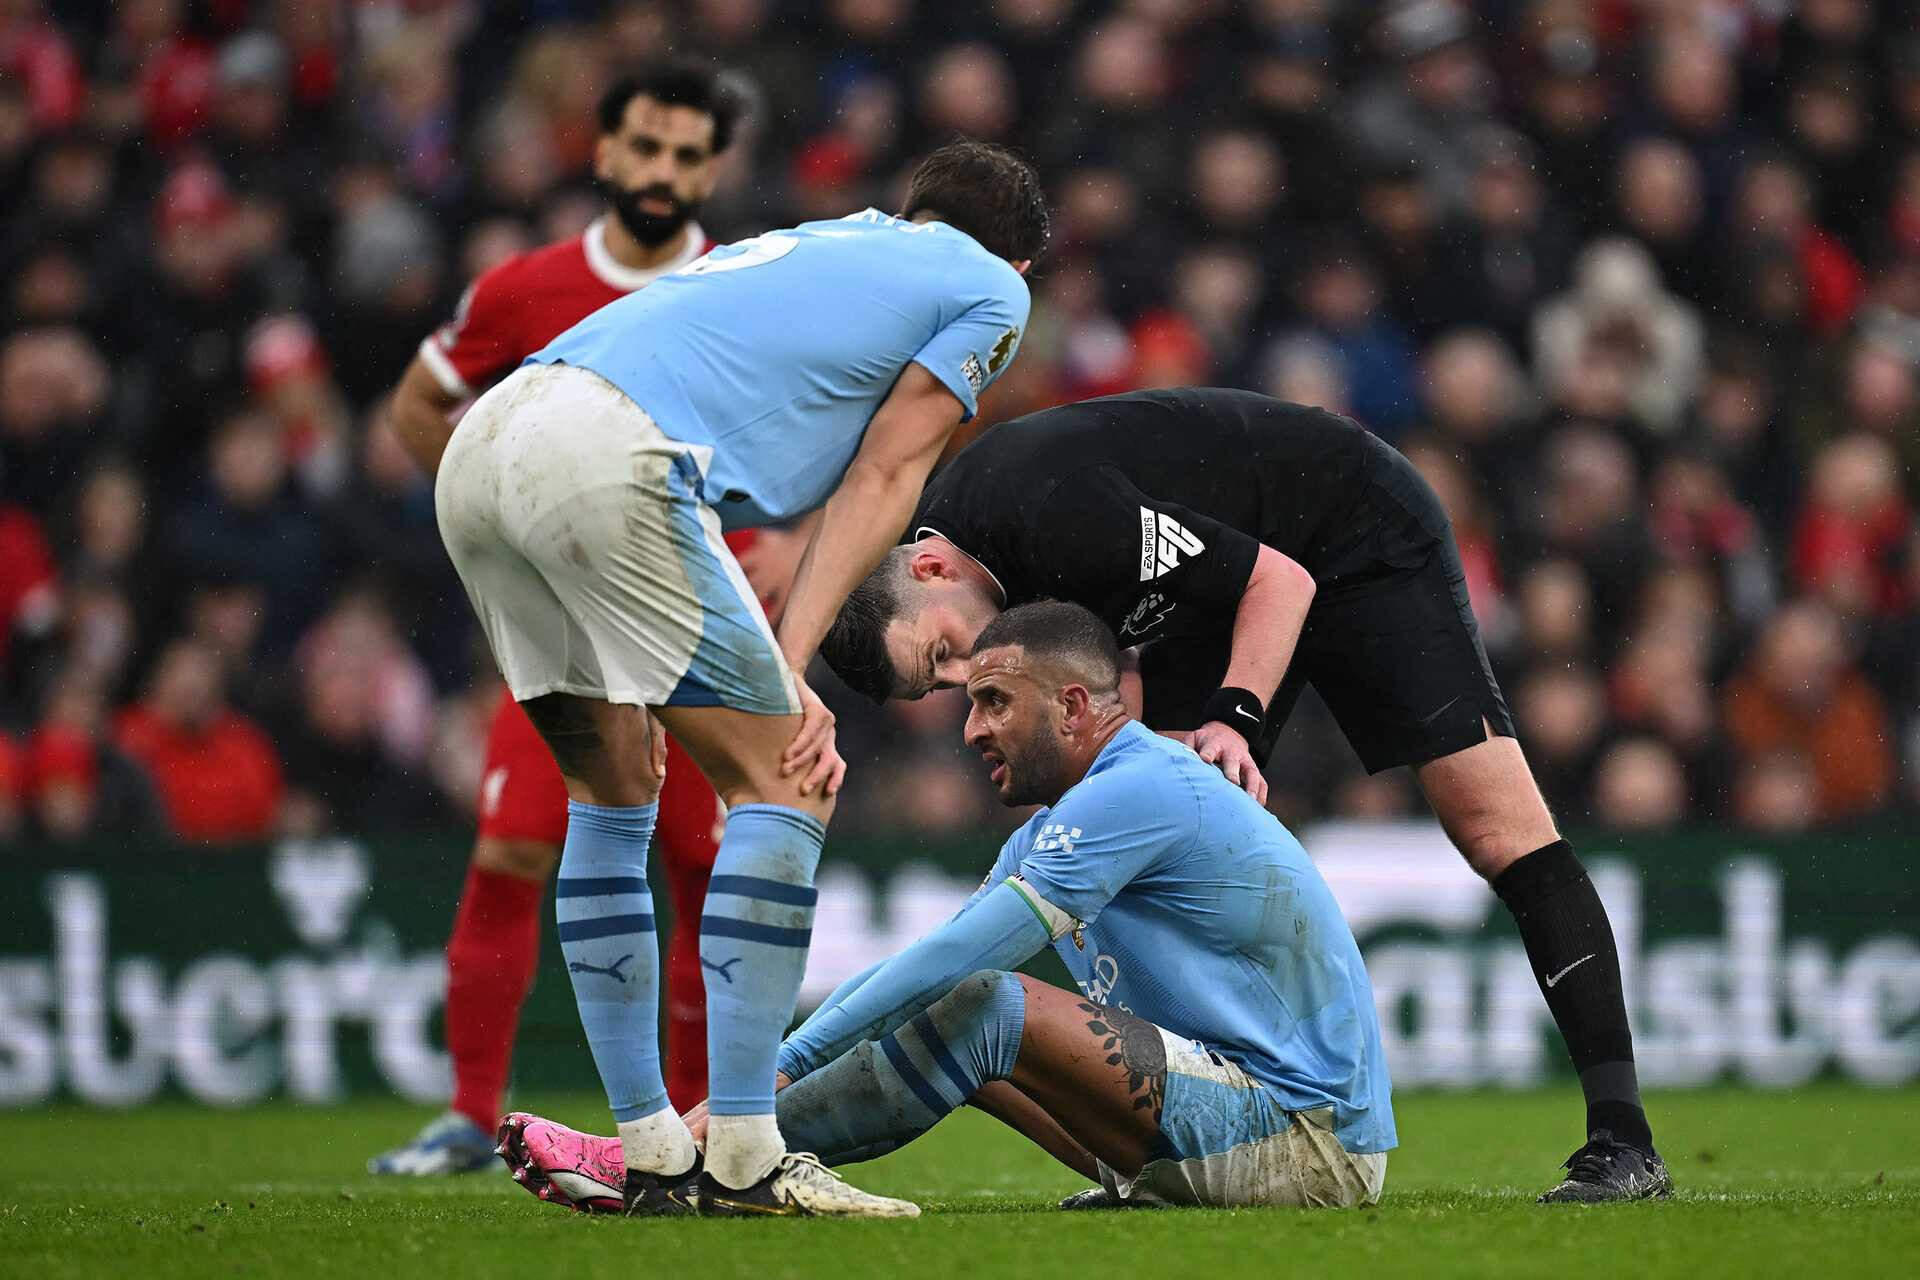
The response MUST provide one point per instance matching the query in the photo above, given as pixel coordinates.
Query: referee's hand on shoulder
(1223, 746)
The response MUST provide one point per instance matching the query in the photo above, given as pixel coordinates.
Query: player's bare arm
(422, 410)
(1266, 628)
(859, 523)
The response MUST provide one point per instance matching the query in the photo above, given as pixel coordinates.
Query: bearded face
(657, 169)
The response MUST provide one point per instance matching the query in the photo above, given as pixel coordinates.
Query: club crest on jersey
(1163, 540)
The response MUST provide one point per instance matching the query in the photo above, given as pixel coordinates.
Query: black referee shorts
(1390, 643)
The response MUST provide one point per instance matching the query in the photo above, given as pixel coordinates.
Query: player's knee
(980, 990)
(1491, 843)
(983, 1020)
(773, 789)
(521, 859)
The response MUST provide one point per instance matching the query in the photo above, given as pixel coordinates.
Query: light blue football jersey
(1203, 915)
(775, 352)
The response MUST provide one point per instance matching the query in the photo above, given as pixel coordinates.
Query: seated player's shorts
(1390, 642)
(576, 527)
(1228, 1143)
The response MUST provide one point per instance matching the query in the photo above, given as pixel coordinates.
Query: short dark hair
(986, 191)
(855, 645)
(1060, 634)
(679, 82)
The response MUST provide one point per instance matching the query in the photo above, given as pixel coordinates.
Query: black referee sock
(1577, 965)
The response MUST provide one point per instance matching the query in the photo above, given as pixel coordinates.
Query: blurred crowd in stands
(1636, 283)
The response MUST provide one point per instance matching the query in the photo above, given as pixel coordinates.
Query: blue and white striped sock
(753, 952)
(882, 1094)
(607, 935)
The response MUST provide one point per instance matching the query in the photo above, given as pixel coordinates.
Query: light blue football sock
(607, 935)
(882, 1094)
(753, 948)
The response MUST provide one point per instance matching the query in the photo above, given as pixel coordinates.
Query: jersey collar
(999, 586)
(603, 264)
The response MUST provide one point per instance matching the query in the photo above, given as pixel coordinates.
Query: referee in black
(1245, 547)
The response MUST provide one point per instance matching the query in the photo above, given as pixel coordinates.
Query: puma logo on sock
(611, 971)
(724, 970)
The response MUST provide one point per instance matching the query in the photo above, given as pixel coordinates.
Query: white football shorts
(1226, 1142)
(577, 528)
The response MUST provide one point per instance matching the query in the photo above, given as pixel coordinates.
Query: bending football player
(1223, 1049)
(582, 501)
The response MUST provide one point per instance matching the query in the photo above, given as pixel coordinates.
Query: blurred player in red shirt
(662, 133)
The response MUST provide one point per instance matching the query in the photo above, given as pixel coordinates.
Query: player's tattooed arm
(1134, 1047)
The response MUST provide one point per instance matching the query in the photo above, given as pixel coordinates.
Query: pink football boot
(564, 1166)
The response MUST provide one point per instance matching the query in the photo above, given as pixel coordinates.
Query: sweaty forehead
(1001, 665)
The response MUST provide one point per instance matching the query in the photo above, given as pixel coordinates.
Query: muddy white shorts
(576, 527)
(1225, 1141)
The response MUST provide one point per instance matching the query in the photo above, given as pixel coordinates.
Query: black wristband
(1238, 709)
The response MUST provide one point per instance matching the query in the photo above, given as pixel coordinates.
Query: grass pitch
(1770, 1184)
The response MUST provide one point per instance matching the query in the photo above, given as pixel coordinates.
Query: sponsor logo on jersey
(1148, 614)
(1102, 979)
(1163, 540)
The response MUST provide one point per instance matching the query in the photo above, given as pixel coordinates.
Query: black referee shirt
(1149, 508)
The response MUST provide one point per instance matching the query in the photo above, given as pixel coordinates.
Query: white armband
(1056, 922)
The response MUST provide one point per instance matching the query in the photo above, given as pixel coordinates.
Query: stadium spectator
(247, 525)
(361, 726)
(1340, 299)
(1562, 711)
(78, 783)
(1639, 783)
(1799, 690)
(1431, 103)
(216, 772)
(1852, 533)
(1618, 342)
(1777, 794)
(29, 595)
(1661, 202)
(53, 389)
(1508, 249)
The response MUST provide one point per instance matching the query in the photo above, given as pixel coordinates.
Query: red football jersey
(520, 306)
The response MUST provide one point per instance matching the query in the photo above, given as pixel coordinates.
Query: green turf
(1771, 1184)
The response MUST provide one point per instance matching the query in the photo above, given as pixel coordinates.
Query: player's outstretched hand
(813, 752)
(1222, 745)
(696, 1122)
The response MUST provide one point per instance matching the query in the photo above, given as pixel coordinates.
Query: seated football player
(1223, 1048)
(1246, 548)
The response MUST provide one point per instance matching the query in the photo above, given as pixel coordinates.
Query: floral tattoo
(1134, 1045)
